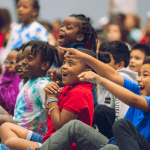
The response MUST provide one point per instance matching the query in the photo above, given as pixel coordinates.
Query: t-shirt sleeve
(148, 99)
(42, 34)
(131, 85)
(76, 102)
(40, 90)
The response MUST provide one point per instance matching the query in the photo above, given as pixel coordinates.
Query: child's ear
(80, 37)
(35, 12)
(120, 65)
(45, 65)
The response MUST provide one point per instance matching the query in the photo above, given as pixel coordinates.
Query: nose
(23, 62)
(139, 79)
(61, 28)
(131, 60)
(7, 66)
(19, 64)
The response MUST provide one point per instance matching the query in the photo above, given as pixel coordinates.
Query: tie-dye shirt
(29, 112)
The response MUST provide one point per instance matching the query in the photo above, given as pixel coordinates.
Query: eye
(145, 75)
(17, 61)
(71, 63)
(69, 27)
(137, 58)
(29, 58)
(12, 62)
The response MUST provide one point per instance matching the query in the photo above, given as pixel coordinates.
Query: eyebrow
(145, 71)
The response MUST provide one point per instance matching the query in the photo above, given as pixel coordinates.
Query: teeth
(64, 73)
(19, 70)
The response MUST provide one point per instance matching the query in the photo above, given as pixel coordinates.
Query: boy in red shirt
(74, 102)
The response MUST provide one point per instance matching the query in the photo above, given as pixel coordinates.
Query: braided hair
(48, 52)
(87, 30)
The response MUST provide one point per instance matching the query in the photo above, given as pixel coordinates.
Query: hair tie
(87, 44)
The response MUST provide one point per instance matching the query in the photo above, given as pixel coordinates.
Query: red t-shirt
(145, 40)
(78, 99)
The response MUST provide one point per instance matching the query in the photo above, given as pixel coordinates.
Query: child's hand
(52, 75)
(72, 53)
(52, 88)
(90, 77)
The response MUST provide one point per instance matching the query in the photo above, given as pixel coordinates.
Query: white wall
(51, 9)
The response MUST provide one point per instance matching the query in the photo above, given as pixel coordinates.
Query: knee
(119, 125)
(10, 142)
(110, 147)
(100, 110)
(74, 126)
(5, 126)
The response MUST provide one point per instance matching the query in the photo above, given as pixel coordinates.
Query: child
(77, 32)
(19, 68)
(135, 126)
(132, 23)
(110, 108)
(29, 29)
(75, 102)
(29, 112)
(117, 32)
(137, 55)
(9, 84)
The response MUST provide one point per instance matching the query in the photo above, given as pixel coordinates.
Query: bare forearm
(125, 95)
(55, 115)
(104, 70)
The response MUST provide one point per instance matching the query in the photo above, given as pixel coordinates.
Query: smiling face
(144, 80)
(114, 33)
(70, 69)
(32, 65)
(26, 12)
(69, 31)
(18, 67)
(136, 60)
(11, 60)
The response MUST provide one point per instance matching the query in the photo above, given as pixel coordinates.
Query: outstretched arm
(101, 68)
(121, 93)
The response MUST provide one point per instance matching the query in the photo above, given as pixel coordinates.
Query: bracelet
(45, 107)
(52, 100)
(52, 109)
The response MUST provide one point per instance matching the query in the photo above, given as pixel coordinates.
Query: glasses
(11, 62)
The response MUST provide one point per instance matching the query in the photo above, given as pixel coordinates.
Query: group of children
(43, 114)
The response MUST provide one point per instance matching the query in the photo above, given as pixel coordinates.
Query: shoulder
(126, 72)
(41, 82)
(131, 85)
(84, 90)
(37, 26)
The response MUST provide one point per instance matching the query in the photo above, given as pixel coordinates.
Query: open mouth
(141, 88)
(19, 70)
(131, 66)
(61, 36)
(64, 74)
